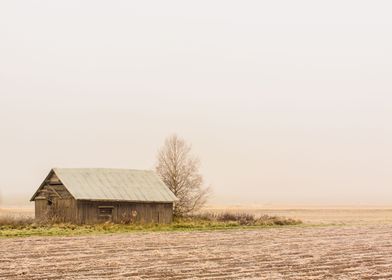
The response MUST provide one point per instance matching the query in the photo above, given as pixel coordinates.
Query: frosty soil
(332, 252)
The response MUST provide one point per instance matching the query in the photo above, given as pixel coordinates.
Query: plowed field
(328, 252)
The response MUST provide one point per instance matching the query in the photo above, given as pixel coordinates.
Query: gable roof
(112, 185)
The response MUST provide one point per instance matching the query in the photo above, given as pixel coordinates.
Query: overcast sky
(283, 101)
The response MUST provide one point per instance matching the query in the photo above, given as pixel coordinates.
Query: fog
(285, 102)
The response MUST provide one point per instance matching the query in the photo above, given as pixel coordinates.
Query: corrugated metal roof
(114, 184)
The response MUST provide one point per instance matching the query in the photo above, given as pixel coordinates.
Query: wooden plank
(52, 189)
(88, 212)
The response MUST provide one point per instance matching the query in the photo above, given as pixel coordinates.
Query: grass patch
(18, 227)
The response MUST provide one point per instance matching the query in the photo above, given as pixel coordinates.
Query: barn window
(105, 212)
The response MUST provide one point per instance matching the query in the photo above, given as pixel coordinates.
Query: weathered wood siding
(124, 212)
(60, 210)
(41, 208)
(55, 202)
(64, 210)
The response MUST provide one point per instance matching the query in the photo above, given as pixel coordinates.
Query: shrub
(244, 219)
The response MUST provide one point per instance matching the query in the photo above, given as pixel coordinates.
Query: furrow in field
(349, 252)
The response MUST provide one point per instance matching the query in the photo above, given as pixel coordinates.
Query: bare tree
(179, 170)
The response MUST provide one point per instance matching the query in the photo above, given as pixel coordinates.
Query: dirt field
(333, 252)
(359, 247)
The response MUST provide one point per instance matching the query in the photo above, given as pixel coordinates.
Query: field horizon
(321, 215)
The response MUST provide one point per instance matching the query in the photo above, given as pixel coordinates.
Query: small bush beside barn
(85, 196)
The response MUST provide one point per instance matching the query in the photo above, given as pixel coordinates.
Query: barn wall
(41, 208)
(124, 212)
(64, 210)
(54, 202)
(59, 210)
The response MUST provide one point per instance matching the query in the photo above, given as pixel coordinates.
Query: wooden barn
(85, 196)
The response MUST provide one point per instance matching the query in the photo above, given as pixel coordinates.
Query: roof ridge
(100, 168)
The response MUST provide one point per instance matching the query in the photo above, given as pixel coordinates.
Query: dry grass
(15, 222)
(317, 216)
(245, 219)
(17, 226)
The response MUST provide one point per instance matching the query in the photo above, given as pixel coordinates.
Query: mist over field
(282, 105)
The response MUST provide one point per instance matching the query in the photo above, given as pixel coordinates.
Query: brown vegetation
(245, 219)
(25, 226)
(17, 222)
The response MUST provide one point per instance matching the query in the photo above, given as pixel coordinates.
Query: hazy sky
(283, 101)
